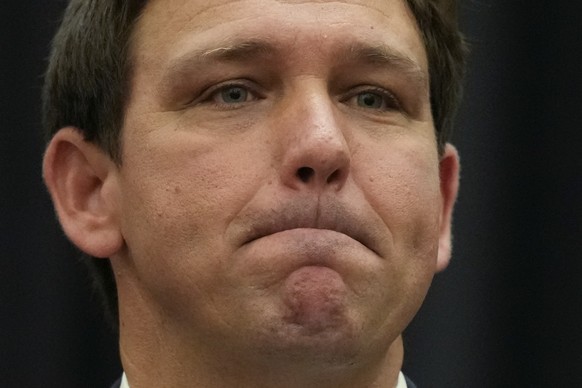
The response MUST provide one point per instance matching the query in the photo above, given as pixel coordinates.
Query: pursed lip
(336, 218)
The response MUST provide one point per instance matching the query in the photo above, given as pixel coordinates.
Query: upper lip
(337, 218)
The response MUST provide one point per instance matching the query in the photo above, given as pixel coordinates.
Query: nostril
(305, 173)
(334, 176)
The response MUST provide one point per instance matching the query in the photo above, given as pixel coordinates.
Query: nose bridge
(314, 146)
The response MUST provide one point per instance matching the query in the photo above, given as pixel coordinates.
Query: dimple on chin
(315, 300)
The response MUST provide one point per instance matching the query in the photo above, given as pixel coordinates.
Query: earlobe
(449, 181)
(82, 181)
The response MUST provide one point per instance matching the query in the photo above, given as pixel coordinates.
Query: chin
(334, 343)
(315, 318)
(326, 337)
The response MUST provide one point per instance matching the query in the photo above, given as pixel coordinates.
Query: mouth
(344, 223)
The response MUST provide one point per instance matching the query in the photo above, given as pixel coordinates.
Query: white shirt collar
(401, 382)
(124, 383)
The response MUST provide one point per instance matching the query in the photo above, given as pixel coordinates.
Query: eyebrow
(380, 55)
(383, 55)
(235, 52)
(238, 50)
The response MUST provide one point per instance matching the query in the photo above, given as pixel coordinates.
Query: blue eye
(370, 100)
(374, 98)
(233, 95)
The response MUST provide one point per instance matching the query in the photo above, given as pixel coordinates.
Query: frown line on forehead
(259, 50)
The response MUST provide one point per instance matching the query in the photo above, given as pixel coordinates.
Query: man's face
(280, 178)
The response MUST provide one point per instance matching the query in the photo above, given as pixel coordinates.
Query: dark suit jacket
(117, 384)
(409, 383)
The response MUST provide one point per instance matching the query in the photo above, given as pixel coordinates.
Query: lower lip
(321, 254)
(304, 236)
(316, 247)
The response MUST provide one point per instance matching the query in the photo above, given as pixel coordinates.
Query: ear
(82, 181)
(449, 180)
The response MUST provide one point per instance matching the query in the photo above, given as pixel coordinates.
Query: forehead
(172, 28)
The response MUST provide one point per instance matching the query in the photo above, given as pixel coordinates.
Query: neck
(168, 364)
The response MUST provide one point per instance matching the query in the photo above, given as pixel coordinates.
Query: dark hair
(89, 71)
(446, 51)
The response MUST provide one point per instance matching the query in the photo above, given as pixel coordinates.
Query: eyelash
(390, 101)
(212, 93)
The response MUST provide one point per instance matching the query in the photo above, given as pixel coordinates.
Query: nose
(315, 152)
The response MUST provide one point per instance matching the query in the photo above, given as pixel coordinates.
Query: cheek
(403, 187)
(178, 199)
